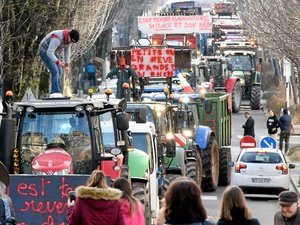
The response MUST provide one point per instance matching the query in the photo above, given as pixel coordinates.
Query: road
(263, 206)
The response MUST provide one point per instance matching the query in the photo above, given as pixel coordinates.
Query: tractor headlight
(187, 132)
(169, 136)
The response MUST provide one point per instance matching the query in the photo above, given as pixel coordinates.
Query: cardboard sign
(175, 24)
(42, 200)
(151, 62)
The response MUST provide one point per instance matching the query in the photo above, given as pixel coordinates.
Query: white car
(261, 170)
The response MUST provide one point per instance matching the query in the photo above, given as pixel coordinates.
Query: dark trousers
(284, 136)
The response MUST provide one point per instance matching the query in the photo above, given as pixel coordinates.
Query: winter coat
(285, 122)
(123, 76)
(138, 215)
(279, 220)
(272, 124)
(249, 127)
(239, 222)
(206, 222)
(96, 206)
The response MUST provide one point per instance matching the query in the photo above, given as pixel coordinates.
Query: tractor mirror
(123, 104)
(207, 106)
(191, 119)
(122, 120)
(170, 148)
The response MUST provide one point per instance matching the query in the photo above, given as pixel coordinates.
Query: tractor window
(108, 130)
(46, 132)
(142, 141)
(240, 62)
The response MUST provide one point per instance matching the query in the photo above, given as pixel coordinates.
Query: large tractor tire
(237, 95)
(168, 179)
(225, 169)
(194, 169)
(210, 162)
(140, 191)
(255, 97)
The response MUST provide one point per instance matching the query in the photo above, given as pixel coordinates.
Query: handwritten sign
(175, 24)
(150, 62)
(42, 200)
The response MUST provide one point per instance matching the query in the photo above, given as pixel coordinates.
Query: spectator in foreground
(234, 209)
(289, 213)
(96, 203)
(132, 209)
(183, 204)
(286, 127)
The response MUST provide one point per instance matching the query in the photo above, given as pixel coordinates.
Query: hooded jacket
(272, 124)
(96, 206)
(138, 215)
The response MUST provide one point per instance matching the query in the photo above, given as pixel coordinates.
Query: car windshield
(261, 157)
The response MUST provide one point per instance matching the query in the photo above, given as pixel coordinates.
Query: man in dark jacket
(289, 209)
(249, 125)
(286, 126)
(272, 124)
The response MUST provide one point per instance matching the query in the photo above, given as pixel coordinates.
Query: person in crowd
(286, 127)
(49, 47)
(183, 204)
(123, 72)
(132, 209)
(6, 208)
(289, 213)
(234, 209)
(96, 203)
(273, 124)
(91, 73)
(249, 125)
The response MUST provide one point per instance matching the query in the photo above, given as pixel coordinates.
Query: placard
(152, 62)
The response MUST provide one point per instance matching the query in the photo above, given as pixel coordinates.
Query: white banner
(175, 24)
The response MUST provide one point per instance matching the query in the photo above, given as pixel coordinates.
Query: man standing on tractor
(53, 42)
(123, 73)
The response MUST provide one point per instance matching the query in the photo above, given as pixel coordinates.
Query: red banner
(151, 62)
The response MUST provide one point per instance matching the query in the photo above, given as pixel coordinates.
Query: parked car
(261, 170)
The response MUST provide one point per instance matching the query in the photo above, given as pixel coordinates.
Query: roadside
(293, 155)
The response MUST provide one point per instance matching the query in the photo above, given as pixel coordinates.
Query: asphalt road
(263, 206)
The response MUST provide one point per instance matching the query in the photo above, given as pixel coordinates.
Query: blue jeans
(55, 70)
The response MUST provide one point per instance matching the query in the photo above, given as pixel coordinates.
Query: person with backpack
(50, 46)
(91, 70)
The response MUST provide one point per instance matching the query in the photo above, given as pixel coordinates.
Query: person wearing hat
(289, 213)
(50, 45)
(123, 73)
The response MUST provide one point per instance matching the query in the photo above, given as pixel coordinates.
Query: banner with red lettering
(175, 24)
(151, 62)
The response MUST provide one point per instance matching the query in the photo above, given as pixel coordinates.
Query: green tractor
(243, 67)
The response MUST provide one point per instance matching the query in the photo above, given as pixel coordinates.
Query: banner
(175, 24)
(151, 62)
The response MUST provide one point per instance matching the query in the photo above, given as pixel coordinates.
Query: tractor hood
(138, 163)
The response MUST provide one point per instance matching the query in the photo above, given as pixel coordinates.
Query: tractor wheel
(168, 179)
(194, 169)
(237, 95)
(255, 97)
(210, 162)
(225, 169)
(141, 192)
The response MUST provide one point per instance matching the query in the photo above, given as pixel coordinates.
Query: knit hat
(74, 35)
(4, 175)
(287, 198)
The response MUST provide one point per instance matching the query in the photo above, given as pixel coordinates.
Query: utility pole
(287, 75)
